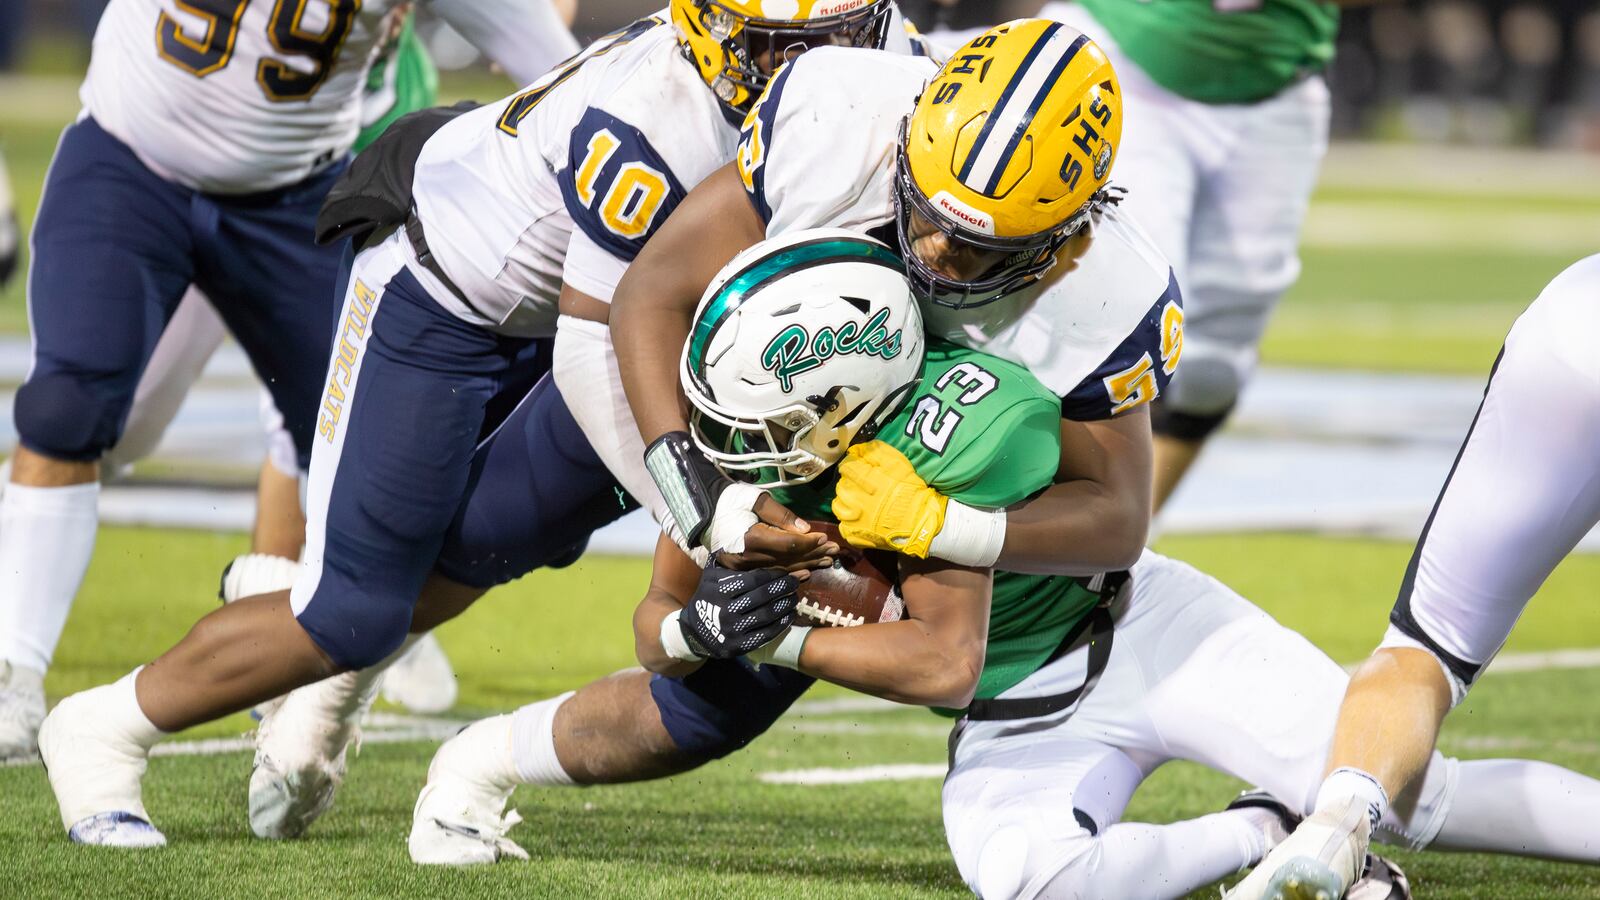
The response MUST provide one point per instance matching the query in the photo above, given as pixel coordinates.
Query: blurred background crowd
(1521, 72)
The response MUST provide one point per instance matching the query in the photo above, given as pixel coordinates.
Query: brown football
(858, 589)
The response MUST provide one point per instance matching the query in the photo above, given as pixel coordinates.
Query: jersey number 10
(213, 49)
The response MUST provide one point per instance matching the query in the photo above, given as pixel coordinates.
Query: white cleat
(21, 711)
(460, 818)
(422, 680)
(301, 745)
(95, 776)
(117, 829)
(1319, 861)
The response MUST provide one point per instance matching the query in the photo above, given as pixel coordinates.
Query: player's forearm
(647, 630)
(905, 661)
(1080, 527)
(648, 337)
(1095, 518)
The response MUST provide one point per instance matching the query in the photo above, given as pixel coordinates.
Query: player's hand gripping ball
(883, 504)
(858, 589)
(734, 612)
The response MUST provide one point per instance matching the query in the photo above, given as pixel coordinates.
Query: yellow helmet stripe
(1002, 131)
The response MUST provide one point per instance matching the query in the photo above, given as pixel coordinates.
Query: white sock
(1345, 783)
(533, 744)
(123, 712)
(46, 538)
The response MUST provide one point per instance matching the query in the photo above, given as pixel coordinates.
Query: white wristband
(673, 641)
(970, 536)
(783, 650)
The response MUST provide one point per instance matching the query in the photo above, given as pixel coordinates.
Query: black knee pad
(60, 418)
(724, 705)
(1166, 421)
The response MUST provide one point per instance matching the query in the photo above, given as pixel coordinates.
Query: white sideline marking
(398, 728)
(1487, 743)
(846, 705)
(860, 729)
(1545, 660)
(856, 775)
(377, 728)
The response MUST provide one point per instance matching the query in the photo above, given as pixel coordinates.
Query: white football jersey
(242, 96)
(1104, 331)
(568, 179)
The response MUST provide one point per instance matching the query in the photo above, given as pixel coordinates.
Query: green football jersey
(983, 431)
(1222, 51)
(402, 80)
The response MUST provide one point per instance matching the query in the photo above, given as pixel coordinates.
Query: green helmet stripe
(800, 256)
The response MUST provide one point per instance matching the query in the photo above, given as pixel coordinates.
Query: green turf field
(718, 832)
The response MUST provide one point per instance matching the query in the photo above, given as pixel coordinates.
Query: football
(860, 587)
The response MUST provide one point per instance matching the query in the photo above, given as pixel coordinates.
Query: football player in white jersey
(209, 136)
(442, 320)
(402, 80)
(1524, 489)
(990, 175)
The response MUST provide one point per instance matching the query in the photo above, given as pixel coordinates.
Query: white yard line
(855, 775)
(1339, 224)
(863, 729)
(840, 705)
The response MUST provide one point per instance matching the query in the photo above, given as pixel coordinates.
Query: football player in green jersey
(403, 79)
(1069, 690)
(1226, 125)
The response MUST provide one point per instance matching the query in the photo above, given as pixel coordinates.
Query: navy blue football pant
(725, 704)
(410, 475)
(114, 247)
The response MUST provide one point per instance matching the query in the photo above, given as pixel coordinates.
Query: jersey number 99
(212, 50)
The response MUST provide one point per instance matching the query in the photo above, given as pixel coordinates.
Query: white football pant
(1524, 489)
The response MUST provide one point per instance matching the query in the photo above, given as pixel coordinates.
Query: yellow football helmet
(737, 44)
(1009, 150)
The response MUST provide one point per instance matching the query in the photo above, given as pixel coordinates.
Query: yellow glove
(882, 503)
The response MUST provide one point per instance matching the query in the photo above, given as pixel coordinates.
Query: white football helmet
(801, 346)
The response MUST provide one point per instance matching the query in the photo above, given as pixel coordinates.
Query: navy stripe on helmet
(1033, 107)
(1016, 78)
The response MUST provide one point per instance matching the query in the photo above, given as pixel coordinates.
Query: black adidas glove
(734, 612)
